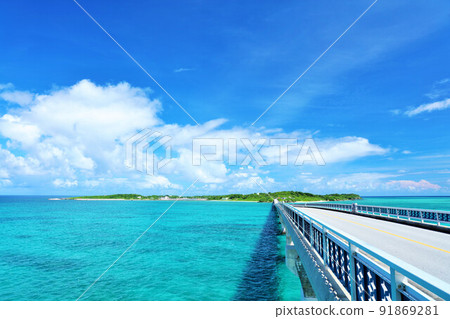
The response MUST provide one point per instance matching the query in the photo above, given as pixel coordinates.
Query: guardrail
(438, 217)
(354, 264)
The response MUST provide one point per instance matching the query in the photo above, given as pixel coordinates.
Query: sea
(198, 250)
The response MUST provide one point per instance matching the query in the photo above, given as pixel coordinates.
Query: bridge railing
(365, 272)
(438, 217)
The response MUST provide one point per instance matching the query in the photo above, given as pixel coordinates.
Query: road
(425, 249)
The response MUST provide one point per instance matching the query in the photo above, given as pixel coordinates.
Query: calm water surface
(53, 250)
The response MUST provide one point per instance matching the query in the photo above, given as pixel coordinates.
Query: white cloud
(358, 181)
(18, 97)
(91, 183)
(13, 165)
(413, 185)
(207, 172)
(25, 133)
(254, 183)
(4, 86)
(311, 180)
(430, 107)
(440, 89)
(64, 183)
(183, 70)
(152, 182)
(5, 182)
(368, 182)
(80, 126)
(348, 149)
(4, 173)
(74, 137)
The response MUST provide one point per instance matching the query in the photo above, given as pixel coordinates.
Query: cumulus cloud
(74, 137)
(4, 86)
(413, 185)
(80, 126)
(4, 173)
(358, 181)
(258, 183)
(348, 148)
(13, 165)
(152, 182)
(207, 172)
(65, 183)
(365, 183)
(429, 107)
(74, 130)
(18, 97)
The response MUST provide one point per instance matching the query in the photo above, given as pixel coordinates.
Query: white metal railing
(351, 259)
(438, 217)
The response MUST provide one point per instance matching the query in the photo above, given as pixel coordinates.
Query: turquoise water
(53, 250)
(431, 202)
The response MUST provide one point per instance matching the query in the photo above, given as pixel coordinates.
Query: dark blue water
(261, 280)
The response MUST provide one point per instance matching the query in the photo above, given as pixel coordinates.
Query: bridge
(359, 252)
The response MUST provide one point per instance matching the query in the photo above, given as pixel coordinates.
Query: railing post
(303, 224)
(324, 245)
(311, 237)
(396, 283)
(352, 275)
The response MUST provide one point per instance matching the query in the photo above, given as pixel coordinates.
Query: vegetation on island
(288, 196)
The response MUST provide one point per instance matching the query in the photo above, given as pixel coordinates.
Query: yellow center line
(386, 232)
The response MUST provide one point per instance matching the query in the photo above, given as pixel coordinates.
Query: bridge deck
(425, 249)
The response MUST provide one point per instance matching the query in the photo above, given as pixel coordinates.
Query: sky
(376, 105)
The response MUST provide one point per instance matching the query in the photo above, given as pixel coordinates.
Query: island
(288, 196)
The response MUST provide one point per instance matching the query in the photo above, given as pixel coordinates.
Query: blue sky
(377, 103)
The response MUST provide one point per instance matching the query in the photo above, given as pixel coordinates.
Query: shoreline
(285, 196)
(184, 200)
(157, 200)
